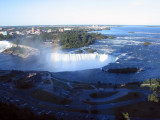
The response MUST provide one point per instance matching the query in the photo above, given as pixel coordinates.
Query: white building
(49, 30)
(61, 30)
(67, 29)
(4, 32)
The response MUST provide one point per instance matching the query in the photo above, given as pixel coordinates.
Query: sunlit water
(54, 62)
(125, 50)
(74, 62)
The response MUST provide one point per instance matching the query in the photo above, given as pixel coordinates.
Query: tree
(111, 37)
(76, 39)
(126, 116)
(153, 98)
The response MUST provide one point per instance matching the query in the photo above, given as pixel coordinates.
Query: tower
(33, 30)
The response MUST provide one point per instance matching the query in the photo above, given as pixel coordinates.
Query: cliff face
(21, 51)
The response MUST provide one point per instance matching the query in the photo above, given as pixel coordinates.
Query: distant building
(61, 30)
(12, 33)
(29, 31)
(18, 32)
(67, 29)
(4, 32)
(10, 29)
(49, 30)
(33, 31)
(39, 31)
(1, 29)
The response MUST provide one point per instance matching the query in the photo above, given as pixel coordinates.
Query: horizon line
(78, 25)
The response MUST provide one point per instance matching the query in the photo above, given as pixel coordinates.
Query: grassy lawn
(49, 97)
(102, 95)
(131, 87)
(141, 110)
(103, 86)
(103, 111)
(136, 87)
(6, 78)
(60, 84)
(47, 81)
(129, 96)
(83, 86)
(138, 110)
(2, 71)
(74, 84)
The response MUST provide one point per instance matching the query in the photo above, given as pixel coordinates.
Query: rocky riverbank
(22, 51)
(125, 70)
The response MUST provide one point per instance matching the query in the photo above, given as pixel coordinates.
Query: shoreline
(90, 76)
(21, 51)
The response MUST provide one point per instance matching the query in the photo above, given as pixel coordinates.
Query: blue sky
(60, 12)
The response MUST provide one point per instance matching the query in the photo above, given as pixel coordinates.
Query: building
(12, 33)
(29, 32)
(49, 30)
(39, 31)
(4, 32)
(10, 29)
(67, 29)
(17, 32)
(1, 29)
(33, 30)
(61, 30)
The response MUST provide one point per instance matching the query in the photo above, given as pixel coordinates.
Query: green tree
(126, 116)
(153, 98)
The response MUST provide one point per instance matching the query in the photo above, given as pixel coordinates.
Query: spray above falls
(73, 62)
(56, 62)
(5, 45)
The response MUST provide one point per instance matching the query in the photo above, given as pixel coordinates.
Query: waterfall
(72, 62)
(59, 62)
(4, 45)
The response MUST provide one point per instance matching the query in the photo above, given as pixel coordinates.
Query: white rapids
(55, 62)
(5, 45)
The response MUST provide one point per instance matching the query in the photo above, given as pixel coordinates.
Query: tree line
(76, 39)
(6, 37)
(67, 39)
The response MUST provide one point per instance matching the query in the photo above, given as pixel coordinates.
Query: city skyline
(81, 12)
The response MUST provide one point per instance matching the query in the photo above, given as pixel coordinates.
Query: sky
(71, 12)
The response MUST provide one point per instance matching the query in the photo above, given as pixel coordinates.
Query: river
(125, 50)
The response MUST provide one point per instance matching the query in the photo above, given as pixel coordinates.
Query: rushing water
(54, 62)
(125, 50)
(128, 47)
(74, 62)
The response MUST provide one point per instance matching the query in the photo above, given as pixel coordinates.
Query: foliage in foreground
(155, 88)
(126, 116)
(153, 98)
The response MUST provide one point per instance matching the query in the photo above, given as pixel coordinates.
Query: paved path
(121, 92)
(76, 105)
